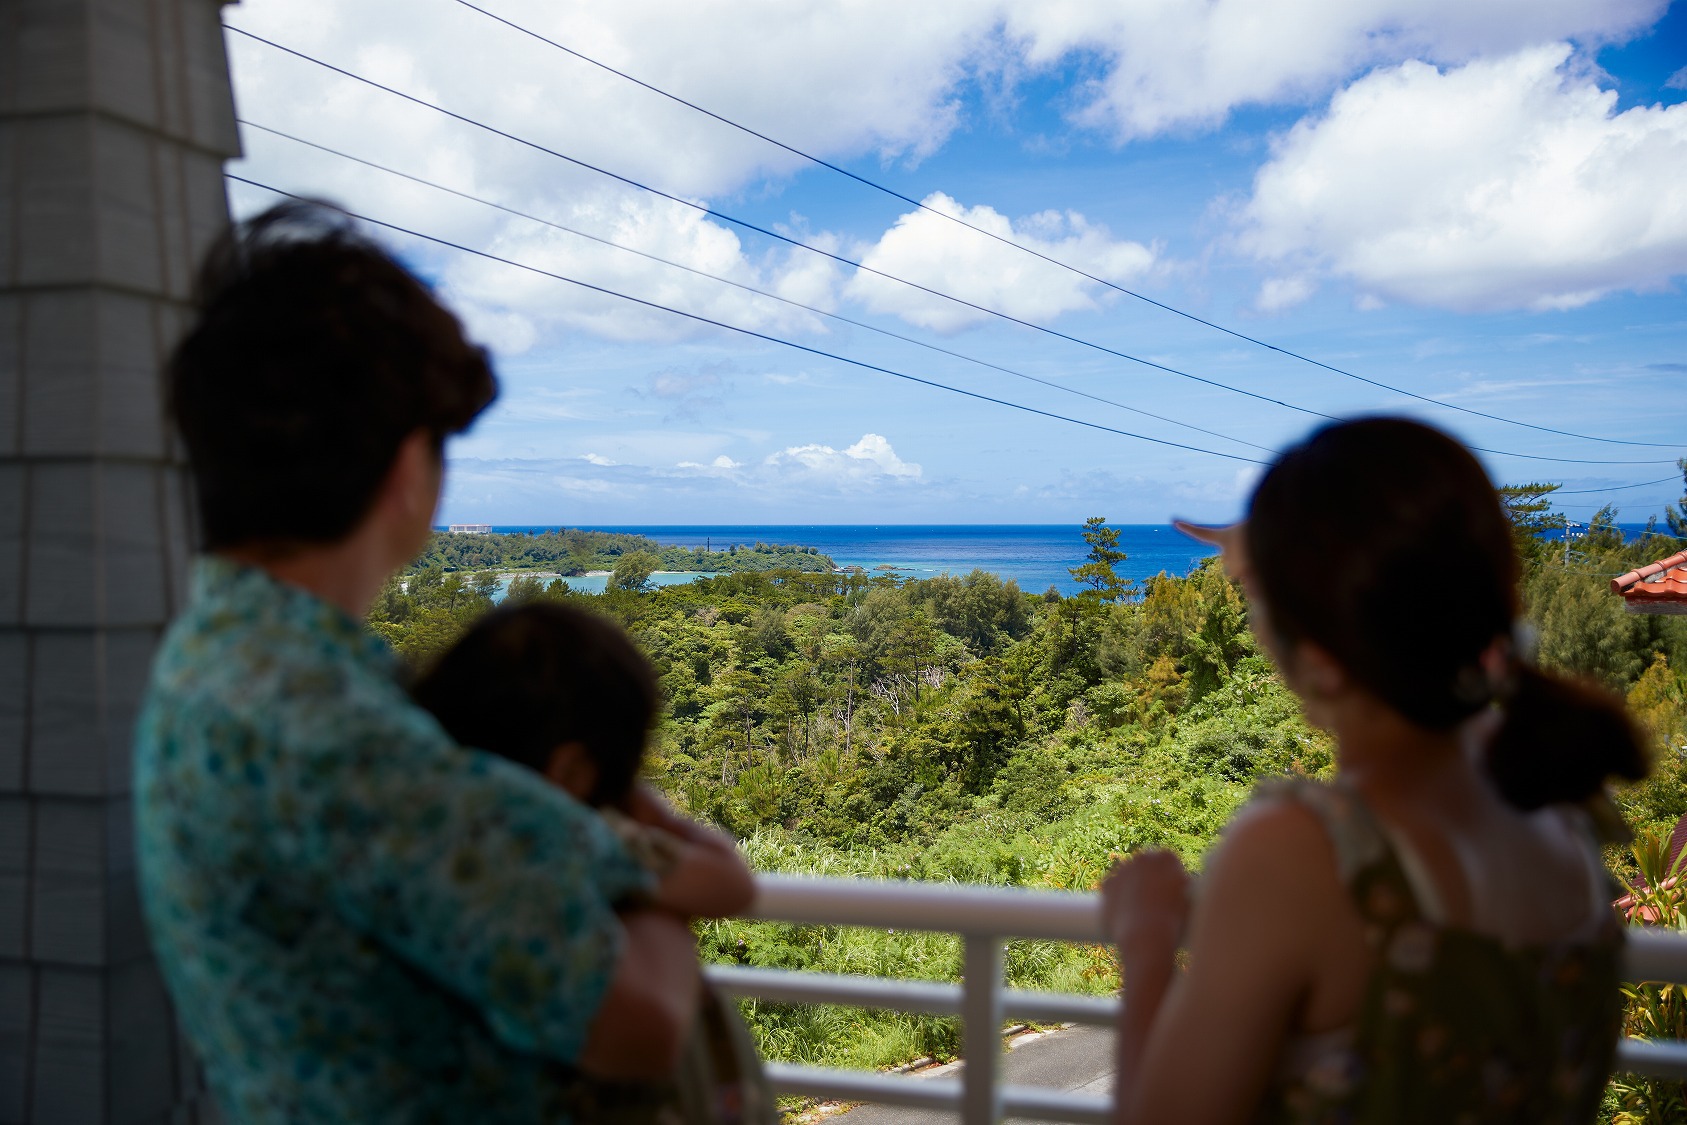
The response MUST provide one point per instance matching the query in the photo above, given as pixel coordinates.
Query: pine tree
(1098, 574)
(1675, 515)
(1529, 508)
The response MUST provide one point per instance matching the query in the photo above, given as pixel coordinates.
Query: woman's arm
(1198, 1047)
(1145, 904)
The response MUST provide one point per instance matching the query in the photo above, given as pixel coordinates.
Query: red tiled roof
(1662, 581)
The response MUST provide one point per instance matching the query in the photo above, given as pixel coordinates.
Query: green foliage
(421, 614)
(1098, 574)
(960, 729)
(1658, 700)
(1675, 515)
(1603, 536)
(1584, 629)
(633, 570)
(952, 729)
(1656, 1010)
(1252, 726)
(524, 588)
(572, 552)
(980, 610)
(1529, 508)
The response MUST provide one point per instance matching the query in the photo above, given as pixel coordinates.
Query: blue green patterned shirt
(359, 920)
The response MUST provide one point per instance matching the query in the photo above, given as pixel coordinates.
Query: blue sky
(1484, 204)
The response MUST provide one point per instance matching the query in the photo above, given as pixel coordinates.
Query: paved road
(1074, 1058)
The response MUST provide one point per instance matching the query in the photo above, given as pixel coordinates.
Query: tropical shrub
(1656, 1010)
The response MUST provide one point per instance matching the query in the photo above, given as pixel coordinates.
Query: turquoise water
(1036, 556)
(595, 583)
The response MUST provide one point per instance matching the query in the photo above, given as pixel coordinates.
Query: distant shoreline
(1037, 557)
(504, 573)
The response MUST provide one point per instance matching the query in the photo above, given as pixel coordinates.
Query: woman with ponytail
(1429, 937)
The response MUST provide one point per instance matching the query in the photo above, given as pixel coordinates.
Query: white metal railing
(985, 917)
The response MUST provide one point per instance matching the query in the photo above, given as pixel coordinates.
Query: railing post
(981, 1030)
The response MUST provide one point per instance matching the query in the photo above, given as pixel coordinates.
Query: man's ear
(573, 770)
(413, 482)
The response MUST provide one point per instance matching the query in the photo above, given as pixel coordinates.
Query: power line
(1079, 271)
(1594, 508)
(753, 333)
(787, 239)
(705, 209)
(1612, 488)
(746, 288)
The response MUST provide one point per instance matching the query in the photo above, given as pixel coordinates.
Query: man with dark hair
(358, 919)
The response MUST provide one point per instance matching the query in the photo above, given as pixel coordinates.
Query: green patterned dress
(1455, 1027)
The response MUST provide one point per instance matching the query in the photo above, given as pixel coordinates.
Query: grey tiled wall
(115, 118)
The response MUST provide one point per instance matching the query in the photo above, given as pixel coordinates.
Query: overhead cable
(1596, 509)
(725, 217)
(839, 317)
(1033, 251)
(777, 236)
(1611, 488)
(701, 319)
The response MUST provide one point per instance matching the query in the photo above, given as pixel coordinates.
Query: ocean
(1036, 556)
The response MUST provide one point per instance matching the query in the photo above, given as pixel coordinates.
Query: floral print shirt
(358, 919)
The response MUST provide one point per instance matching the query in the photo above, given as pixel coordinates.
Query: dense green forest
(572, 552)
(959, 728)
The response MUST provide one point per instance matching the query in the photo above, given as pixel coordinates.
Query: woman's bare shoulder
(1281, 820)
(1275, 867)
(1276, 845)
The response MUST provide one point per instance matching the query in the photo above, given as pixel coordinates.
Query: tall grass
(830, 1035)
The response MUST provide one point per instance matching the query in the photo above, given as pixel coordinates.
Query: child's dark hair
(1383, 542)
(529, 678)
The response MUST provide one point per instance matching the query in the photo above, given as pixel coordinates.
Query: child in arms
(567, 694)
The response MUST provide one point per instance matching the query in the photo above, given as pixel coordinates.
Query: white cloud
(597, 459)
(1677, 81)
(723, 464)
(1508, 183)
(520, 400)
(682, 384)
(901, 103)
(942, 255)
(779, 67)
(582, 486)
(868, 460)
(657, 227)
(1282, 292)
(1172, 64)
(1158, 66)
(535, 487)
(686, 394)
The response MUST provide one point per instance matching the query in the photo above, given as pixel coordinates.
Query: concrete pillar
(115, 118)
